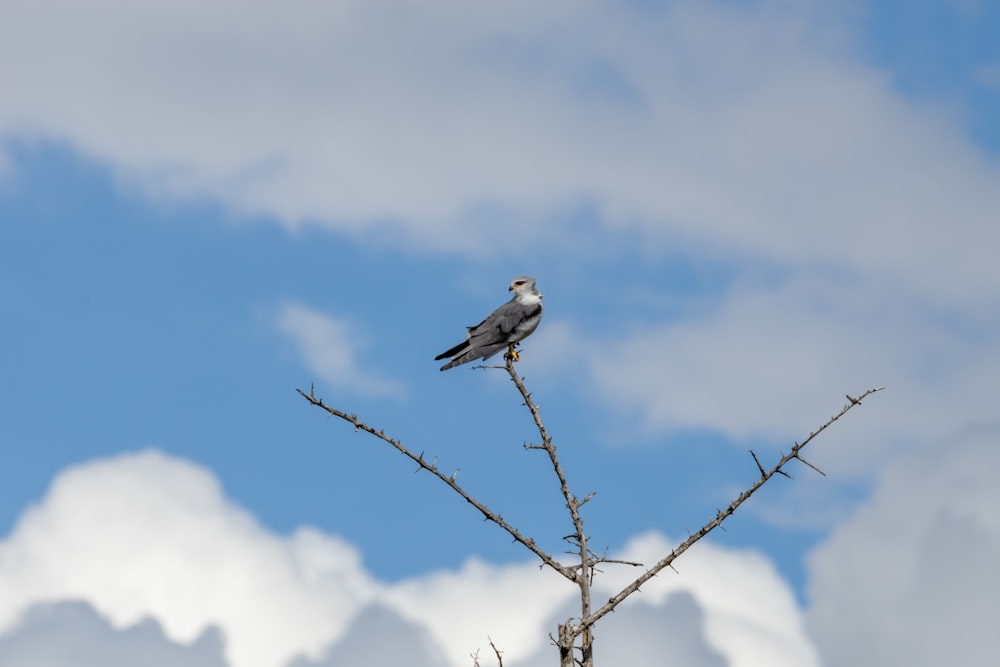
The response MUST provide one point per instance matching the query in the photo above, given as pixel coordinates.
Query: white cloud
(146, 536)
(330, 348)
(747, 129)
(773, 362)
(749, 612)
(911, 578)
(511, 603)
(751, 616)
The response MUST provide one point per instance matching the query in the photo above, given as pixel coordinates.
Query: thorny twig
(721, 515)
(447, 479)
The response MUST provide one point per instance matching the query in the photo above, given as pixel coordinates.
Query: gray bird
(512, 322)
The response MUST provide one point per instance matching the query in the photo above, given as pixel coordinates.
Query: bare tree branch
(497, 652)
(720, 516)
(578, 538)
(449, 480)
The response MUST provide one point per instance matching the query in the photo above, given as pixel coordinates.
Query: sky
(738, 213)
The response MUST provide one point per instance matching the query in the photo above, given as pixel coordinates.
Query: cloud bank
(144, 553)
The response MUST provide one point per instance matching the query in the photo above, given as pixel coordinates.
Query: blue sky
(737, 213)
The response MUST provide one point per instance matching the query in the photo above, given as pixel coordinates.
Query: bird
(504, 327)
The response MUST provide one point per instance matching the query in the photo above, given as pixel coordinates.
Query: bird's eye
(518, 282)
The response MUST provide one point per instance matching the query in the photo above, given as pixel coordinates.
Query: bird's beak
(510, 289)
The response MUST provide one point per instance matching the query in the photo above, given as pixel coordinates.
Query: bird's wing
(502, 321)
(507, 324)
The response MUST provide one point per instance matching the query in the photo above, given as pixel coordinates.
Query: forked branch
(582, 573)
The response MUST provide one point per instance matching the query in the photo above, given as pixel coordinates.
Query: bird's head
(523, 288)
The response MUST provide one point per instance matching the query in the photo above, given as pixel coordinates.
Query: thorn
(454, 474)
(810, 465)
